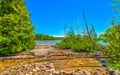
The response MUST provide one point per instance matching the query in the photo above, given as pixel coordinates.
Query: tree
(44, 37)
(16, 31)
(89, 35)
(116, 8)
(112, 37)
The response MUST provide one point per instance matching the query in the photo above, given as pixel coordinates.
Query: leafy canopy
(16, 31)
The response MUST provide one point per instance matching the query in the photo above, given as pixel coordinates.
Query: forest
(46, 37)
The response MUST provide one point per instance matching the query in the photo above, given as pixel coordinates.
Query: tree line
(46, 37)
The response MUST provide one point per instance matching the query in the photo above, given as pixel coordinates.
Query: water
(47, 42)
(103, 43)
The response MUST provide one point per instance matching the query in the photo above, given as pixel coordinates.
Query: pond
(47, 42)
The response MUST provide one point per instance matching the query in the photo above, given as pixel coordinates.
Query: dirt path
(45, 60)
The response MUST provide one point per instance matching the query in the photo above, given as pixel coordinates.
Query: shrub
(112, 37)
(77, 43)
(16, 31)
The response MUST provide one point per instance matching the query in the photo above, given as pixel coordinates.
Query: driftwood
(92, 40)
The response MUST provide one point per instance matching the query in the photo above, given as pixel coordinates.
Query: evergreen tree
(16, 31)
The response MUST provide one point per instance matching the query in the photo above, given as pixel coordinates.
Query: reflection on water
(47, 42)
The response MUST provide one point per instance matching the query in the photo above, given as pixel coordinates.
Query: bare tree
(65, 29)
(92, 40)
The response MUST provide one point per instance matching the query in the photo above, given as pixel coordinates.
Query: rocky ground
(46, 60)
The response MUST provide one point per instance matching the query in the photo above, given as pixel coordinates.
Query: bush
(16, 32)
(112, 37)
(77, 43)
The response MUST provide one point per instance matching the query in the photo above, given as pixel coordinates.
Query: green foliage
(79, 43)
(112, 37)
(70, 33)
(44, 37)
(16, 32)
(116, 8)
(116, 0)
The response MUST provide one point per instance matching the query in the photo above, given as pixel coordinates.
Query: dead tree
(92, 40)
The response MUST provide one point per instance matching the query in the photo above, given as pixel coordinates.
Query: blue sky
(49, 16)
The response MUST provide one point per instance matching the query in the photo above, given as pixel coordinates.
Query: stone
(37, 68)
(56, 72)
(87, 72)
(66, 72)
(96, 73)
(78, 73)
(51, 65)
(99, 53)
(34, 70)
(117, 72)
(27, 74)
(43, 69)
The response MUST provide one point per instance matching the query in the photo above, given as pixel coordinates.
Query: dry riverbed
(45, 60)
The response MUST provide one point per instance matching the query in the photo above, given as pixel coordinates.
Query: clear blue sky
(50, 15)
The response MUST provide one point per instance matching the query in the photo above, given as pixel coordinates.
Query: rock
(117, 72)
(113, 72)
(37, 68)
(66, 72)
(99, 53)
(87, 72)
(69, 73)
(52, 69)
(51, 65)
(27, 74)
(56, 72)
(34, 70)
(43, 69)
(76, 73)
(96, 73)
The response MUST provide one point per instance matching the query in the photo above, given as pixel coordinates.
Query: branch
(92, 40)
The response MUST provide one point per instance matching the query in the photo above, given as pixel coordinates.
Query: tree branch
(92, 40)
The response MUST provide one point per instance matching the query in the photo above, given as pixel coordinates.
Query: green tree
(16, 31)
(79, 42)
(112, 37)
(116, 8)
(44, 37)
